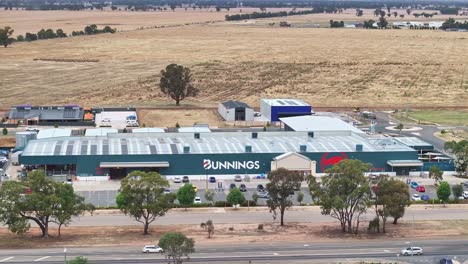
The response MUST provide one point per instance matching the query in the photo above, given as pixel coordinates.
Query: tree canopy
(392, 197)
(186, 195)
(176, 82)
(40, 200)
(460, 150)
(443, 191)
(176, 246)
(5, 36)
(235, 196)
(142, 197)
(436, 174)
(344, 193)
(282, 183)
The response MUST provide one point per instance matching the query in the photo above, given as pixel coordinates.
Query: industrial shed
(273, 109)
(319, 125)
(236, 111)
(221, 154)
(46, 115)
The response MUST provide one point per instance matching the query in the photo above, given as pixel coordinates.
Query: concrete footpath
(264, 209)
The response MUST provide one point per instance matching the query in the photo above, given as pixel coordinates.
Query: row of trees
(256, 15)
(6, 34)
(42, 34)
(451, 23)
(93, 29)
(336, 24)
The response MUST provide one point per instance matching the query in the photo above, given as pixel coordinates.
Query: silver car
(152, 249)
(410, 251)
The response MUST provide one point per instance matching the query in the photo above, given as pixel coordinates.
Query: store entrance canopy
(154, 164)
(405, 163)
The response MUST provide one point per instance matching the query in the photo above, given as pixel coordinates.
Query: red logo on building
(329, 159)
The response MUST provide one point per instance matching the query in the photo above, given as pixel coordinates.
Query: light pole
(65, 255)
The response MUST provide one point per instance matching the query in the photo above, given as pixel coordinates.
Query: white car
(132, 123)
(177, 180)
(197, 200)
(465, 194)
(416, 197)
(167, 191)
(3, 159)
(410, 251)
(152, 249)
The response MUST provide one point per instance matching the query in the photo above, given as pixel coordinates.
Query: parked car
(152, 249)
(416, 197)
(465, 194)
(446, 261)
(197, 200)
(31, 129)
(465, 184)
(263, 195)
(212, 179)
(195, 188)
(185, 179)
(177, 179)
(232, 186)
(412, 251)
(132, 123)
(243, 188)
(425, 197)
(420, 188)
(257, 114)
(414, 185)
(260, 188)
(238, 178)
(167, 191)
(4, 159)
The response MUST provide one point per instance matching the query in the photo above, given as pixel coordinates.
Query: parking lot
(430, 189)
(105, 198)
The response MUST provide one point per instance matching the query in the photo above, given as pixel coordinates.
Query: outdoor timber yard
(217, 131)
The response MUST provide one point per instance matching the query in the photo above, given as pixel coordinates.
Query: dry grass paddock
(131, 236)
(32, 21)
(229, 60)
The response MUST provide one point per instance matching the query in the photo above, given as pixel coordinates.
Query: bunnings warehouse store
(220, 154)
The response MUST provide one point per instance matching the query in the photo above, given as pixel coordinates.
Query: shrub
(222, 204)
(443, 131)
(260, 227)
(231, 228)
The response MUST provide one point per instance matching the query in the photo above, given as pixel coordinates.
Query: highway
(344, 252)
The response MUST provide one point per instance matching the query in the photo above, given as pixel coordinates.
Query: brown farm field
(245, 61)
(32, 21)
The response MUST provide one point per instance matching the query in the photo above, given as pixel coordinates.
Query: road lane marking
(275, 254)
(306, 245)
(39, 259)
(5, 259)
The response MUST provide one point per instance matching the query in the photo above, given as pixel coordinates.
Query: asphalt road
(426, 134)
(313, 252)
